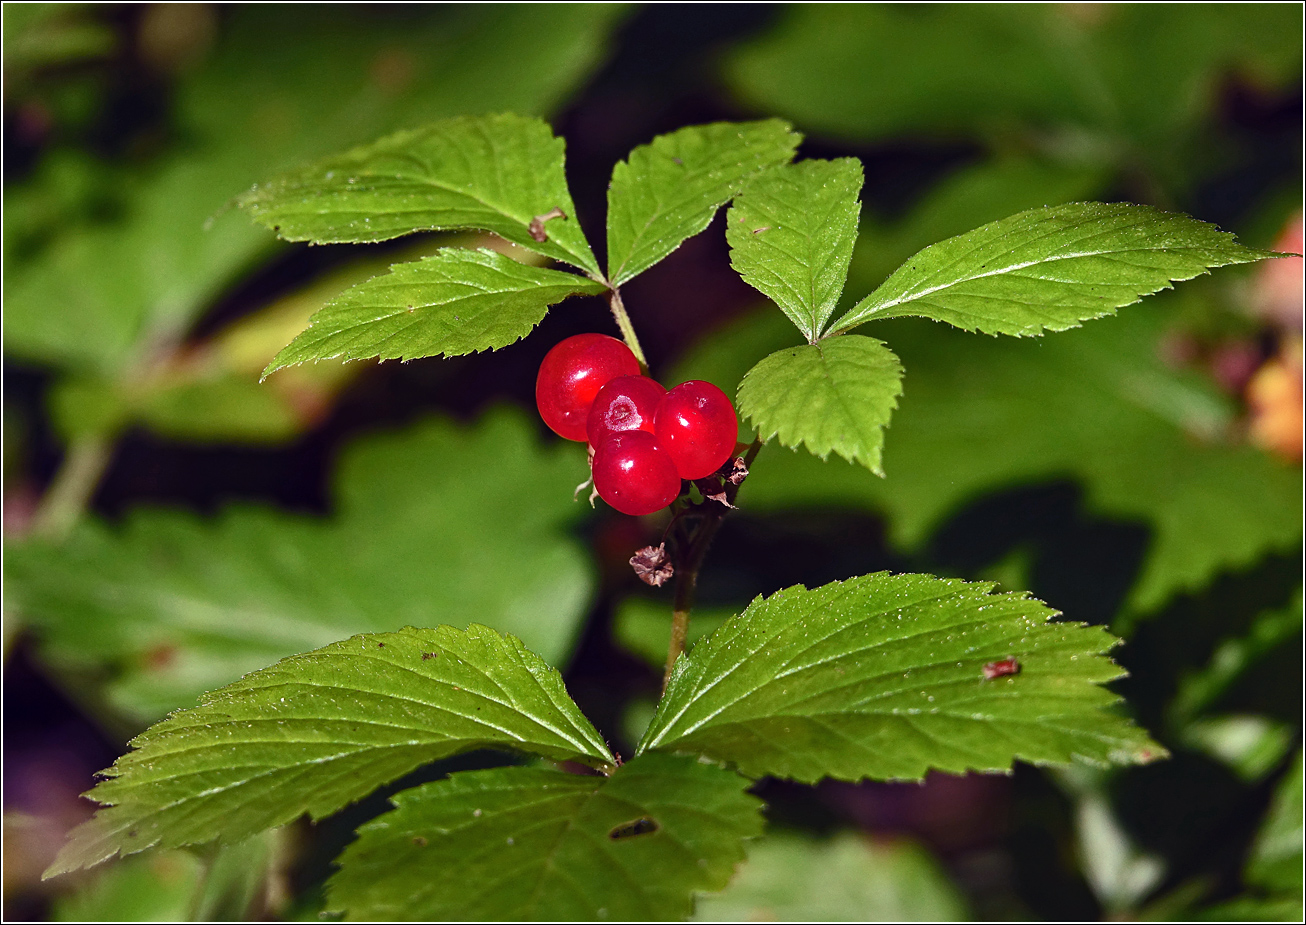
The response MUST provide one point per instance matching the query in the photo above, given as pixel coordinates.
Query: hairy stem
(627, 329)
(67, 497)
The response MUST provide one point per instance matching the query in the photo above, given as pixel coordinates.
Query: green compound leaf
(1049, 269)
(791, 235)
(837, 395)
(491, 173)
(168, 605)
(318, 731)
(668, 190)
(530, 844)
(883, 676)
(452, 303)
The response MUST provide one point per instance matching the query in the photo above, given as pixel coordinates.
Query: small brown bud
(653, 565)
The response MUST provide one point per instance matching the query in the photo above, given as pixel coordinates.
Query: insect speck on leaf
(1001, 668)
(641, 826)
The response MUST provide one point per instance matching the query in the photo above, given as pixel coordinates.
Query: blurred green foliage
(167, 606)
(789, 878)
(114, 254)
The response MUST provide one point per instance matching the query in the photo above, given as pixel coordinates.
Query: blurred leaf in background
(1128, 86)
(791, 878)
(1095, 405)
(129, 287)
(169, 605)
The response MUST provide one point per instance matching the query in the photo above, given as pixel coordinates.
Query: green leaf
(1049, 269)
(883, 677)
(530, 843)
(1201, 689)
(849, 878)
(158, 887)
(452, 303)
(1099, 406)
(103, 292)
(1127, 79)
(169, 605)
(491, 173)
(867, 71)
(318, 731)
(229, 884)
(791, 235)
(837, 395)
(668, 190)
(967, 198)
(1276, 858)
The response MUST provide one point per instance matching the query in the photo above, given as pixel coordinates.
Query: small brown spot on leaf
(641, 826)
(536, 226)
(419, 841)
(426, 655)
(1001, 668)
(380, 645)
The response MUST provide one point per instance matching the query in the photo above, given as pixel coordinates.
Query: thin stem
(686, 585)
(690, 554)
(73, 485)
(627, 329)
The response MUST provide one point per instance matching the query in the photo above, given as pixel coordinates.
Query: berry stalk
(627, 329)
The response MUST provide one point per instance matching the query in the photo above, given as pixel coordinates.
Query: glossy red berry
(696, 425)
(572, 374)
(634, 474)
(625, 403)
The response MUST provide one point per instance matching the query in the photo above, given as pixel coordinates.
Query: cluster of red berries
(644, 439)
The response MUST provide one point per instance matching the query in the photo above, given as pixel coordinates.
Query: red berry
(634, 474)
(696, 424)
(625, 403)
(572, 374)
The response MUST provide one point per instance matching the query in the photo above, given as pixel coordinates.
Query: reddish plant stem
(689, 548)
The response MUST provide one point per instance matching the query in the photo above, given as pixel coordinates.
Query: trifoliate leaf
(791, 235)
(452, 303)
(1049, 269)
(837, 395)
(668, 190)
(530, 843)
(318, 731)
(889, 676)
(501, 174)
